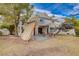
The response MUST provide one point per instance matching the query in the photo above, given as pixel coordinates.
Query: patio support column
(49, 29)
(36, 30)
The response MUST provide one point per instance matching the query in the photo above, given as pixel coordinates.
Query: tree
(67, 20)
(13, 11)
(74, 20)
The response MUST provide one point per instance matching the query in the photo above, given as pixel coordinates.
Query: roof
(34, 18)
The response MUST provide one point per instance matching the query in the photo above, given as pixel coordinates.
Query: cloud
(53, 6)
(59, 17)
(76, 7)
(75, 10)
(47, 12)
(42, 11)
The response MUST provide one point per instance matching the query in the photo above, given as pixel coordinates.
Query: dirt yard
(59, 45)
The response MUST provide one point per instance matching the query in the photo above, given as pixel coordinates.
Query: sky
(60, 9)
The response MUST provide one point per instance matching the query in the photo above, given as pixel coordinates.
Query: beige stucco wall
(45, 30)
(70, 32)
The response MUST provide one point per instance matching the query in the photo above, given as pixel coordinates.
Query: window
(41, 19)
(52, 29)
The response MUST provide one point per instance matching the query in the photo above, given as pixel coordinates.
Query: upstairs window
(41, 19)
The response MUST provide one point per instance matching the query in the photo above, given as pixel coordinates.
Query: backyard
(59, 45)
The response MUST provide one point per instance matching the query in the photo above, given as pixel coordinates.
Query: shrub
(4, 26)
(0, 33)
(77, 31)
(10, 27)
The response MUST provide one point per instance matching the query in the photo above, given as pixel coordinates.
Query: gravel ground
(54, 46)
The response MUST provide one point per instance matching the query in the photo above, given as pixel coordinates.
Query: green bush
(10, 27)
(4, 26)
(77, 31)
(0, 33)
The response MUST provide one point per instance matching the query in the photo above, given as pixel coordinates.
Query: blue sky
(63, 9)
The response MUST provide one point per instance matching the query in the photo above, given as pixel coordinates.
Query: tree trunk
(16, 24)
(16, 33)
